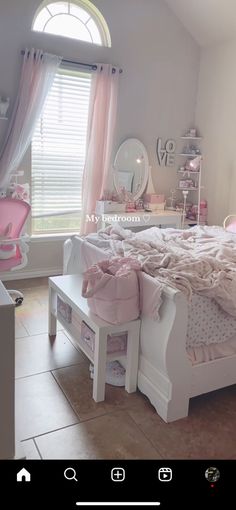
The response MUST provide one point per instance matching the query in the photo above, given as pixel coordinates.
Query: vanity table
(141, 219)
(132, 178)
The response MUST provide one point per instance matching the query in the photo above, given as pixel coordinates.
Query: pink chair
(229, 223)
(13, 247)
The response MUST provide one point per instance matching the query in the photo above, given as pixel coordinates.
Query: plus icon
(118, 474)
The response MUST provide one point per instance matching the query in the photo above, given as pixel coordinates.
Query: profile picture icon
(212, 474)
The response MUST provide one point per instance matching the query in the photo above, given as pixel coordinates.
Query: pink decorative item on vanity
(112, 289)
(152, 198)
(154, 202)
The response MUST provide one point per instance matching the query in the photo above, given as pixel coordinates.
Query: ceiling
(208, 21)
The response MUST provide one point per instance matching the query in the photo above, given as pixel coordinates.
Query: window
(58, 154)
(78, 20)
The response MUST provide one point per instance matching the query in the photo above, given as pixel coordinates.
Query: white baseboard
(35, 273)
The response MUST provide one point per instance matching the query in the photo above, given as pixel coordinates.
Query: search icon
(70, 474)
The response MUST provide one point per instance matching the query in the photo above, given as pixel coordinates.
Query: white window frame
(93, 12)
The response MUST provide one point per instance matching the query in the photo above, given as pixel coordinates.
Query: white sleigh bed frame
(166, 375)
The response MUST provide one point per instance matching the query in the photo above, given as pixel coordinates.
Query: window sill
(44, 238)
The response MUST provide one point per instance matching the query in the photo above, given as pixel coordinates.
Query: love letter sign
(166, 156)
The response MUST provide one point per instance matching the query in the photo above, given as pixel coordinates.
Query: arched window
(79, 19)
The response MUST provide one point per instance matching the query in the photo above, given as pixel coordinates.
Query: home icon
(23, 476)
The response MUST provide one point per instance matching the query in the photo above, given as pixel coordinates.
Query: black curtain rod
(93, 67)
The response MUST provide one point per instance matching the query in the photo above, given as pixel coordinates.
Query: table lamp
(195, 163)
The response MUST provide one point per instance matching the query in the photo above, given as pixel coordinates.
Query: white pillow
(125, 180)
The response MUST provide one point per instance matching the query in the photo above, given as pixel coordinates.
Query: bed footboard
(164, 370)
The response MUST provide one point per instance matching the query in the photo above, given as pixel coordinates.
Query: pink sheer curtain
(37, 75)
(102, 119)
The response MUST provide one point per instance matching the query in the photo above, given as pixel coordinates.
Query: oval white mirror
(131, 168)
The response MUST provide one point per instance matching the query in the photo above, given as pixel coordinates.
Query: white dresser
(141, 219)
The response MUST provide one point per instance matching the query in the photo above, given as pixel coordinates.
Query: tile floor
(57, 418)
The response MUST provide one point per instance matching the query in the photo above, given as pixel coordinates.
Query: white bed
(168, 374)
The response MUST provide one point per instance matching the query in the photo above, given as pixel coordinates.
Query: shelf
(3, 118)
(188, 171)
(191, 137)
(187, 189)
(188, 155)
(194, 153)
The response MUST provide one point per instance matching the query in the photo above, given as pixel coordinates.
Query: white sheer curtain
(37, 75)
(101, 126)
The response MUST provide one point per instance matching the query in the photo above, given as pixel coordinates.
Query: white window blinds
(58, 154)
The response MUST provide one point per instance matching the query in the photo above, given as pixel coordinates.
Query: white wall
(216, 119)
(158, 86)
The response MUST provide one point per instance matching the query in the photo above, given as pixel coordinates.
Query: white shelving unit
(194, 175)
(3, 118)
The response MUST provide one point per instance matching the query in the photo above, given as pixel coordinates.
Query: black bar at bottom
(67, 484)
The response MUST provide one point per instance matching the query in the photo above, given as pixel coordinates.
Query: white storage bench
(64, 300)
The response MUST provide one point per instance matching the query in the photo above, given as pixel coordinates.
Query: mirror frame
(139, 193)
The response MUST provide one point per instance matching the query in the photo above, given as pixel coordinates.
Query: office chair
(13, 246)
